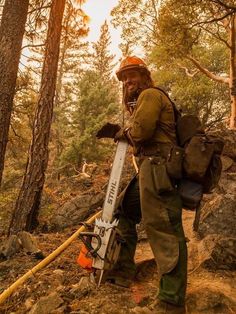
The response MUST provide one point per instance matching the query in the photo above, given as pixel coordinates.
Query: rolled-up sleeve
(149, 106)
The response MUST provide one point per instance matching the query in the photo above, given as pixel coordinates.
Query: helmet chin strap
(131, 105)
(132, 100)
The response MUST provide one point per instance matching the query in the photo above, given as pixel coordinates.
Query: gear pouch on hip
(174, 162)
(161, 180)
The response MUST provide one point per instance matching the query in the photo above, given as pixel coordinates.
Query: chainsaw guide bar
(103, 244)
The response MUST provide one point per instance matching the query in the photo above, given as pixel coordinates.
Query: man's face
(132, 81)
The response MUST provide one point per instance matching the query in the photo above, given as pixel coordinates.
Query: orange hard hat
(131, 62)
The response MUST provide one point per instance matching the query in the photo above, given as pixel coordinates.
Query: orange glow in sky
(99, 11)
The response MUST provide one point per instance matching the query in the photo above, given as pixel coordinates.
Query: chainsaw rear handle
(86, 238)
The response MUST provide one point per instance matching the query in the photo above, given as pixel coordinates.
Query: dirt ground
(60, 283)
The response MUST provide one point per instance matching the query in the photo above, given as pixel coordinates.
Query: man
(152, 135)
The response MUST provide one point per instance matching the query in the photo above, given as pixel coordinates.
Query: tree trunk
(11, 35)
(57, 131)
(28, 202)
(233, 72)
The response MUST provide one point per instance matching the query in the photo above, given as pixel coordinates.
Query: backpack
(197, 158)
(202, 150)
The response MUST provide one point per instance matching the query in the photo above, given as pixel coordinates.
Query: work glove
(109, 130)
(120, 135)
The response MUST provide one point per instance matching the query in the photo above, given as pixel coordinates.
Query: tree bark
(11, 35)
(233, 72)
(28, 202)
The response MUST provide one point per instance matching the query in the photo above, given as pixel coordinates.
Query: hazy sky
(99, 11)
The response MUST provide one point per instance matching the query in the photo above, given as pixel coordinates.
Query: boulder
(76, 210)
(16, 243)
(28, 242)
(229, 137)
(218, 216)
(230, 140)
(10, 247)
(217, 252)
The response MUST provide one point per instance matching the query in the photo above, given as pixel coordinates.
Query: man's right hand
(108, 130)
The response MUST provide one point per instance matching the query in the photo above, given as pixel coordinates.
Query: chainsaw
(104, 243)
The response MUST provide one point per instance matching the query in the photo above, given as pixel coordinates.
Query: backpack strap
(177, 114)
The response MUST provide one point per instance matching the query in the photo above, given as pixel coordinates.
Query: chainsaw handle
(86, 238)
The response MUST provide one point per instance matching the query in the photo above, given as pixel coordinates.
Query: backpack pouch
(198, 154)
(174, 162)
(187, 126)
(191, 193)
(218, 143)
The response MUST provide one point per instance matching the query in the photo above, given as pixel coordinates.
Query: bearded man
(152, 194)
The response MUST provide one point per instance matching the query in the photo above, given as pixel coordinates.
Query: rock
(85, 283)
(28, 242)
(210, 300)
(230, 147)
(217, 227)
(227, 184)
(15, 244)
(59, 272)
(141, 310)
(82, 288)
(58, 278)
(47, 304)
(142, 235)
(76, 210)
(29, 303)
(10, 247)
(227, 162)
(61, 310)
(229, 137)
(146, 269)
(218, 216)
(217, 252)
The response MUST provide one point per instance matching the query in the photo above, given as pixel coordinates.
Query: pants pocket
(160, 176)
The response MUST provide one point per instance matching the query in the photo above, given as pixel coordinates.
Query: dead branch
(33, 46)
(225, 5)
(187, 71)
(217, 36)
(216, 19)
(211, 75)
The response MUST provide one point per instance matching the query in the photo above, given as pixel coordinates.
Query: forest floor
(58, 285)
(64, 287)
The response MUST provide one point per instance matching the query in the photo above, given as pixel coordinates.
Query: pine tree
(97, 103)
(27, 206)
(73, 55)
(102, 59)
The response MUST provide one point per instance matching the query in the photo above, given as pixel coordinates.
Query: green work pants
(161, 214)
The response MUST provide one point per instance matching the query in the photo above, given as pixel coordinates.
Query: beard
(130, 99)
(132, 95)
